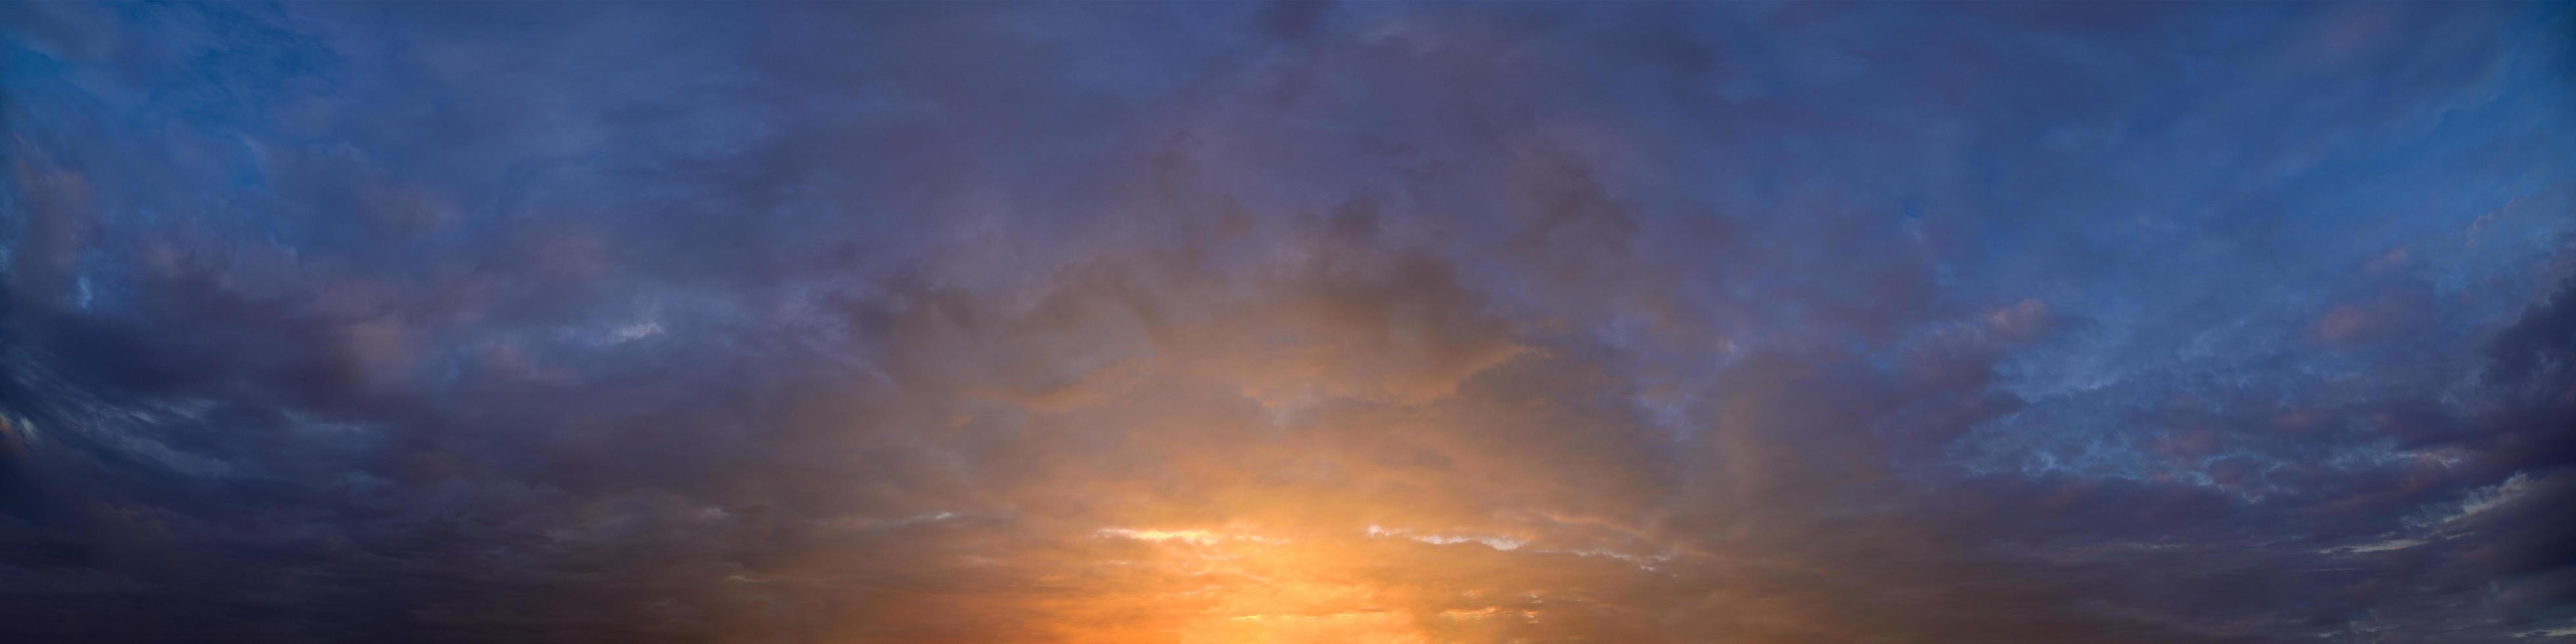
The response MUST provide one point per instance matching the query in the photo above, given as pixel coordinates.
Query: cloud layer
(1294, 322)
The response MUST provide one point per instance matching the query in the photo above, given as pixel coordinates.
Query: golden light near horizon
(1371, 585)
(1346, 460)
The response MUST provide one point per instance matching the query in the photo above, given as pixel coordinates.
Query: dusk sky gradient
(1299, 322)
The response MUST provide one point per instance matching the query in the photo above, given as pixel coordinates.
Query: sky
(1298, 322)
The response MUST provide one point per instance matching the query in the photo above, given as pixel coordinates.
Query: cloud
(1300, 322)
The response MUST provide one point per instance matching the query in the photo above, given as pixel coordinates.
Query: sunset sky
(1300, 322)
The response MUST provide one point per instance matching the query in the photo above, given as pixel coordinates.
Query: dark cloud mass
(1233, 322)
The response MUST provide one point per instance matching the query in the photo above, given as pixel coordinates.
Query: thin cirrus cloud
(1294, 322)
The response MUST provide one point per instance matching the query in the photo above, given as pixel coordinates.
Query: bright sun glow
(1374, 584)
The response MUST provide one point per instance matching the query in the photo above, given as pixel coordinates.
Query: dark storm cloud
(1300, 321)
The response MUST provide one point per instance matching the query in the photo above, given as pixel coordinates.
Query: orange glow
(1231, 585)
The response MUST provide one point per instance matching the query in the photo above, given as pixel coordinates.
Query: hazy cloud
(1305, 322)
